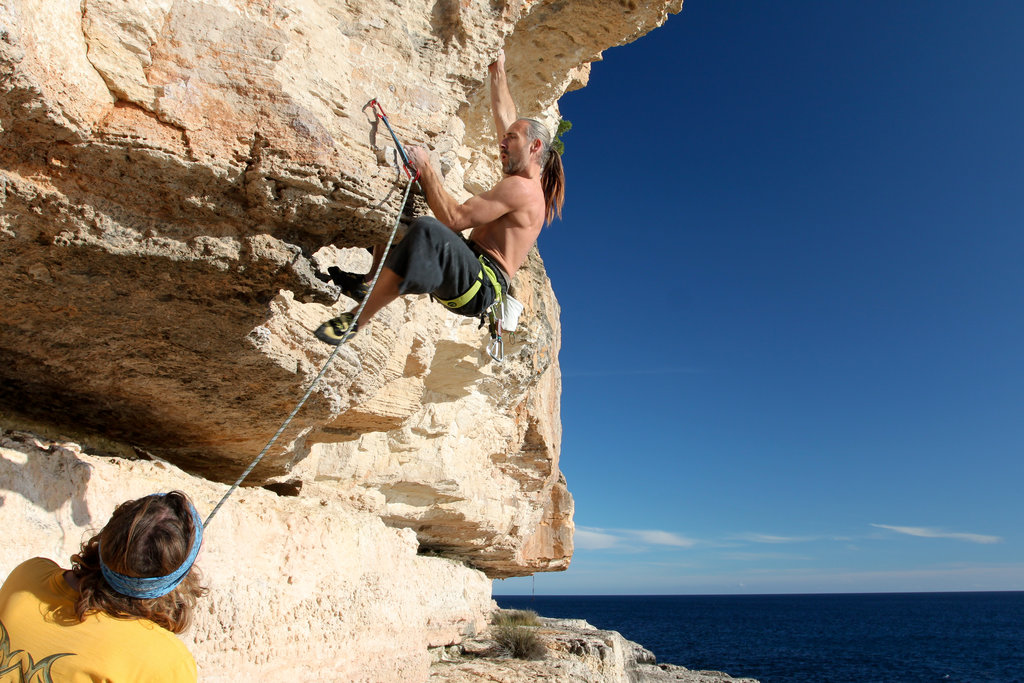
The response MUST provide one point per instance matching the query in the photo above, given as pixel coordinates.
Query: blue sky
(790, 272)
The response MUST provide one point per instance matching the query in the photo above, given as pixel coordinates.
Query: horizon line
(752, 595)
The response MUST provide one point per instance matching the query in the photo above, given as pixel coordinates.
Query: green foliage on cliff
(564, 126)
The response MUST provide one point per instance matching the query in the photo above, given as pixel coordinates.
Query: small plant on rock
(521, 642)
(557, 144)
(514, 633)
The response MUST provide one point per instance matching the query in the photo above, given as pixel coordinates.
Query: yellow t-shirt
(41, 640)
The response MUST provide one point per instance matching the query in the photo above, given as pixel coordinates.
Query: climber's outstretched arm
(507, 196)
(502, 106)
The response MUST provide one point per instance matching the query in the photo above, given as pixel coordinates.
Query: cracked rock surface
(173, 174)
(573, 652)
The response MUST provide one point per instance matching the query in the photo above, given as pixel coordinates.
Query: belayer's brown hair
(150, 536)
(552, 177)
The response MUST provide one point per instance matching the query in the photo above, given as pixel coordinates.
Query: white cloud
(769, 538)
(663, 538)
(759, 557)
(593, 539)
(636, 540)
(925, 532)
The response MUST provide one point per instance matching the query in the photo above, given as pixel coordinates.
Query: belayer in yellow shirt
(111, 617)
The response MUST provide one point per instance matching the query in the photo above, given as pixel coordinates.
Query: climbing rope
(413, 177)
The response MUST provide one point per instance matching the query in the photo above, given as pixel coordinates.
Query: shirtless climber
(506, 221)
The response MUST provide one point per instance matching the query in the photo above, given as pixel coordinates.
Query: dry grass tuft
(521, 642)
(515, 617)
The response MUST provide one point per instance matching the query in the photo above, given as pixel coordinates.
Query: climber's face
(515, 148)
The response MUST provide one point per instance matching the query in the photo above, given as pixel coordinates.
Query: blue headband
(148, 587)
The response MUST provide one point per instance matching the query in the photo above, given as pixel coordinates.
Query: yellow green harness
(496, 348)
(467, 296)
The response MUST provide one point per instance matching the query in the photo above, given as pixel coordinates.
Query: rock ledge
(577, 653)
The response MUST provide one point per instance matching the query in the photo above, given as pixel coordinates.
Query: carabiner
(379, 111)
(496, 347)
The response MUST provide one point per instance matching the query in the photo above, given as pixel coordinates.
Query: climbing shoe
(337, 330)
(351, 284)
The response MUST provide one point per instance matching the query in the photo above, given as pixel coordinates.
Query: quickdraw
(406, 164)
(496, 347)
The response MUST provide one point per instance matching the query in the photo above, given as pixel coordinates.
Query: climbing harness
(414, 175)
(495, 313)
(467, 296)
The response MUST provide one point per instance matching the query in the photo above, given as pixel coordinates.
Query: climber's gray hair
(535, 130)
(552, 177)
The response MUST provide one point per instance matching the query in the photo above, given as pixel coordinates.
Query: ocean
(843, 638)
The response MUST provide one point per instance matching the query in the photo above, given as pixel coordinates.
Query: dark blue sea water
(862, 638)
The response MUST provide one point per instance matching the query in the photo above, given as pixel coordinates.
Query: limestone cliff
(302, 589)
(172, 173)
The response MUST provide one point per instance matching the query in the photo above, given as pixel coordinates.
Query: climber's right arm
(502, 106)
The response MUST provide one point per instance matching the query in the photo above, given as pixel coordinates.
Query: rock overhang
(171, 173)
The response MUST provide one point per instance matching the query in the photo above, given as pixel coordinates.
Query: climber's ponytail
(552, 178)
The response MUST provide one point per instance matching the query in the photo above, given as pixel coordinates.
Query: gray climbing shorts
(433, 259)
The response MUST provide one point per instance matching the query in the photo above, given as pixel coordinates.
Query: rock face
(301, 589)
(172, 174)
(576, 652)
